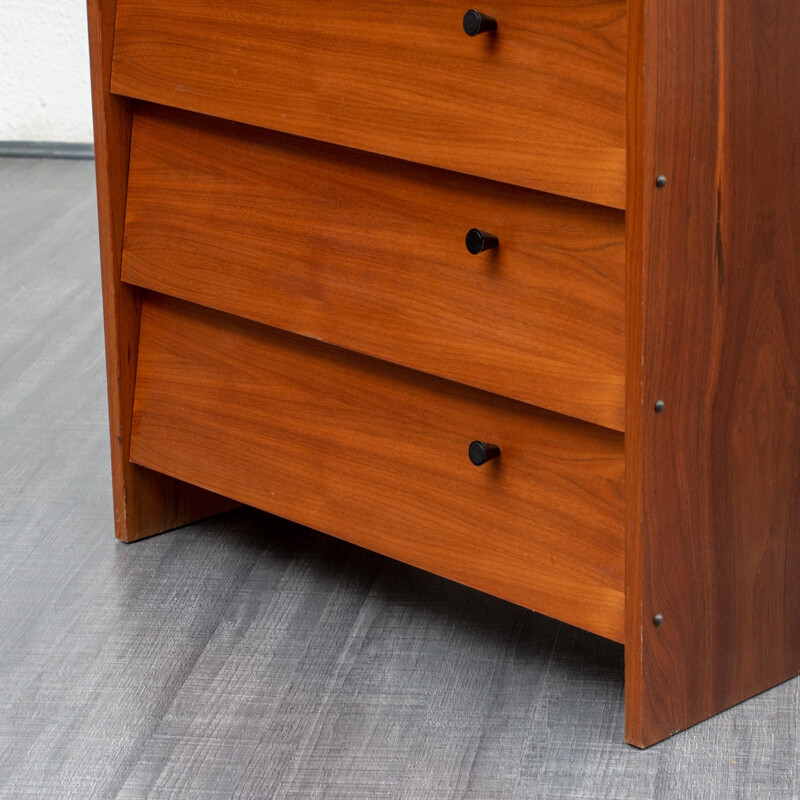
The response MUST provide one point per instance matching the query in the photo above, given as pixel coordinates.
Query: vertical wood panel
(716, 541)
(633, 372)
(145, 502)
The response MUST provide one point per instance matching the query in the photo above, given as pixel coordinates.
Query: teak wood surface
(377, 454)
(714, 294)
(145, 502)
(347, 247)
(712, 289)
(540, 102)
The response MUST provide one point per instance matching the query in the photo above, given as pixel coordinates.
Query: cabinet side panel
(145, 502)
(715, 541)
(633, 372)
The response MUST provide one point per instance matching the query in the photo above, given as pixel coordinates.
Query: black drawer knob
(478, 241)
(481, 452)
(475, 23)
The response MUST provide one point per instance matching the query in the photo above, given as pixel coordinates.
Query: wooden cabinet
(347, 251)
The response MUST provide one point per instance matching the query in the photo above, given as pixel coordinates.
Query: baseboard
(75, 150)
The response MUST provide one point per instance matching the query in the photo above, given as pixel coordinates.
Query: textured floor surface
(248, 657)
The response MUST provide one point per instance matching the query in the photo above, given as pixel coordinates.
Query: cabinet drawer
(539, 102)
(377, 454)
(369, 254)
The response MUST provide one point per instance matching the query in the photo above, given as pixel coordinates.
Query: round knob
(481, 452)
(475, 23)
(478, 241)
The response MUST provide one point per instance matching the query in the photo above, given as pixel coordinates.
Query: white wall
(44, 71)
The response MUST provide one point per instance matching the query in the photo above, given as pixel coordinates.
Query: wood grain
(719, 487)
(144, 502)
(540, 103)
(640, 169)
(377, 455)
(368, 254)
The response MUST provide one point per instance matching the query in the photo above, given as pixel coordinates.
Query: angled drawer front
(539, 102)
(378, 455)
(369, 254)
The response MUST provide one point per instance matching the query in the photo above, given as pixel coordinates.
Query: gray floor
(247, 657)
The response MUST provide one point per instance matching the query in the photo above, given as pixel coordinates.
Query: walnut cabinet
(508, 293)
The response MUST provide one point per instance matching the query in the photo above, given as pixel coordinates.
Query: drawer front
(540, 102)
(369, 254)
(377, 454)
